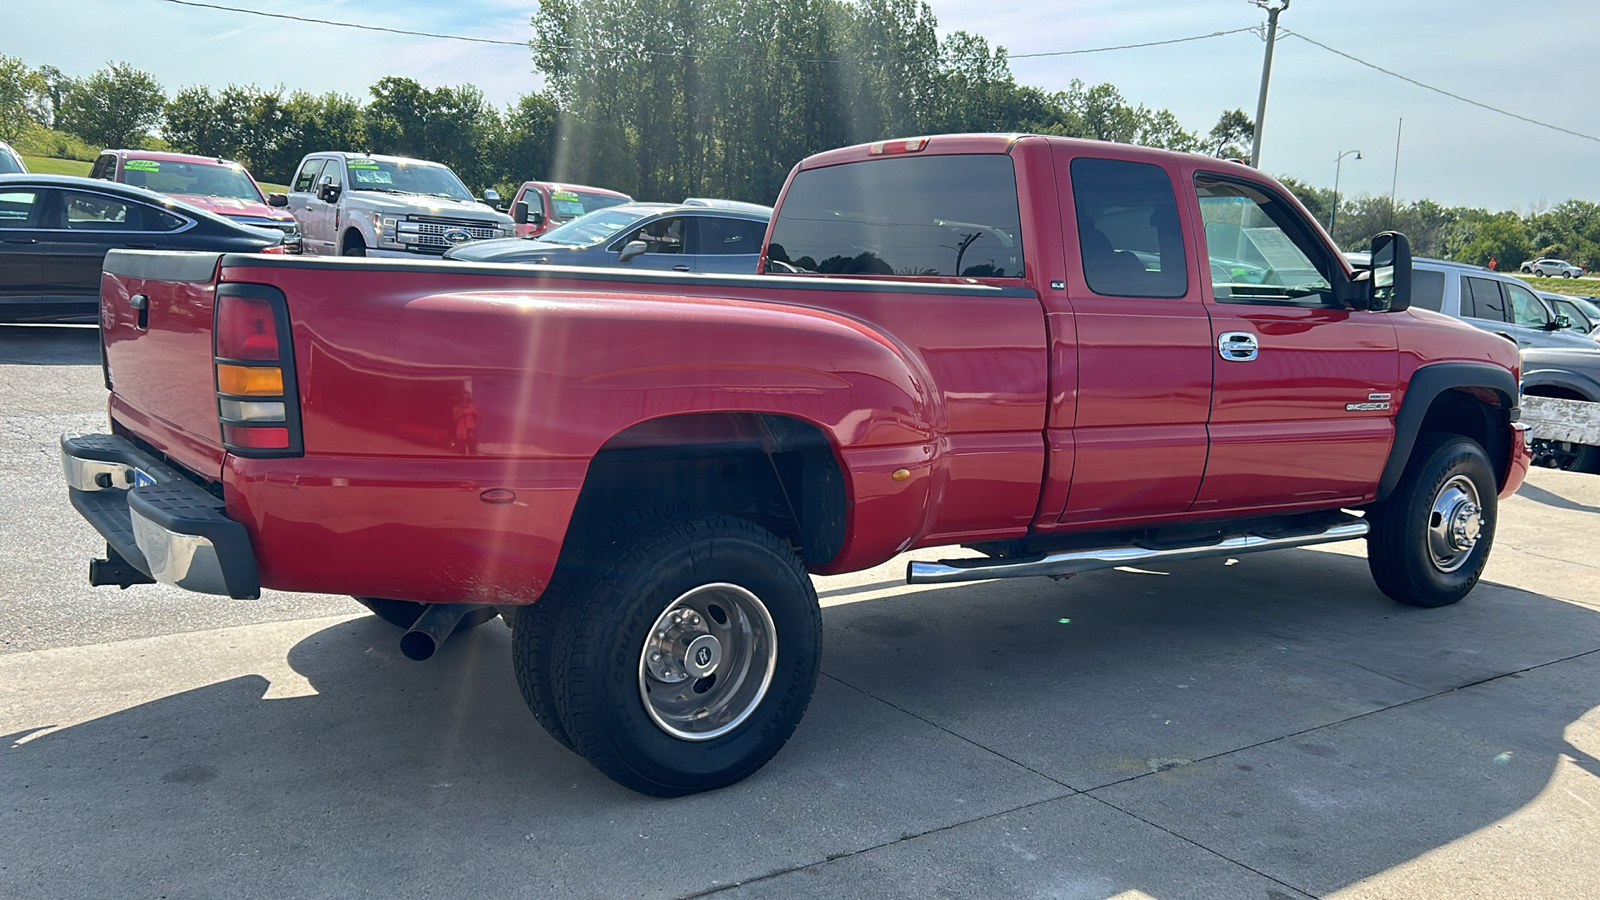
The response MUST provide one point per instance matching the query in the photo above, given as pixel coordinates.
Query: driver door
(1302, 409)
(666, 245)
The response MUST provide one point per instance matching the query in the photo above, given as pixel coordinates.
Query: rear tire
(532, 649)
(404, 613)
(1430, 540)
(1566, 456)
(689, 657)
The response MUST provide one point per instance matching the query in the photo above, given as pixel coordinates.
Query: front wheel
(688, 660)
(1430, 540)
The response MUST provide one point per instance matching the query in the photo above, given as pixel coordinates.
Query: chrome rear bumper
(156, 520)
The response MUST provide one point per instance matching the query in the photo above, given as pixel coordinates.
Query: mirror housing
(1389, 286)
(492, 198)
(536, 218)
(327, 191)
(519, 212)
(1560, 322)
(277, 199)
(631, 250)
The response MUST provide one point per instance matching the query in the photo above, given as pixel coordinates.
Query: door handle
(1237, 346)
(20, 241)
(680, 268)
(139, 246)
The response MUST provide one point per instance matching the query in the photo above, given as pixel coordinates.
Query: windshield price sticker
(371, 176)
(142, 165)
(362, 164)
(563, 195)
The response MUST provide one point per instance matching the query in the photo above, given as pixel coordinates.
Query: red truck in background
(1064, 354)
(542, 205)
(215, 185)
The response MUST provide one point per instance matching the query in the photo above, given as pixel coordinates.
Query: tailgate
(155, 321)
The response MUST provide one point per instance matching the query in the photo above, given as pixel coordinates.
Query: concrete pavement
(1267, 727)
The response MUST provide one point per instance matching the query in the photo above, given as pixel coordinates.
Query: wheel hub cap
(707, 662)
(1454, 524)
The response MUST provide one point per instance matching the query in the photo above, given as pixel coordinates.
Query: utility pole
(1337, 165)
(1273, 7)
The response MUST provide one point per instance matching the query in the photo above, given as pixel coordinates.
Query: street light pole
(1273, 7)
(1337, 164)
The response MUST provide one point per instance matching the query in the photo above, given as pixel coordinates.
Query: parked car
(1550, 267)
(728, 204)
(1563, 375)
(640, 236)
(217, 185)
(641, 469)
(1491, 301)
(355, 204)
(10, 161)
(542, 205)
(1583, 313)
(55, 231)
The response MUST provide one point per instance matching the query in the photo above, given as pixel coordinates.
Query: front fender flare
(1427, 383)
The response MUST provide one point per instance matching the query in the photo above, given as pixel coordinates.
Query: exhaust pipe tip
(436, 623)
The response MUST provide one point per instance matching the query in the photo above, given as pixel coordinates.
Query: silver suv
(1550, 267)
(355, 204)
(1491, 301)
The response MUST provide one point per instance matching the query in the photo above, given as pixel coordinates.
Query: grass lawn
(44, 165)
(1583, 287)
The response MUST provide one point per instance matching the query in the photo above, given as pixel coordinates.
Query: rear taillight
(258, 403)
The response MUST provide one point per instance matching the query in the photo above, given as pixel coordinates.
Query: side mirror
(633, 249)
(536, 218)
(492, 197)
(1389, 288)
(519, 212)
(327, 191)
(1559, 322)
(276, 199)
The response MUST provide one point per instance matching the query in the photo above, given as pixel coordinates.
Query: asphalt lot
(1270, 727)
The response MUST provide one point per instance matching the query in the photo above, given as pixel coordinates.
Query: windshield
(192, 178)
(10, 165)
(572, 204)
(595, 227)
(396, 177)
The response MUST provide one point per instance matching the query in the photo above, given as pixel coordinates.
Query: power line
(674, 55)
(273, 15)
(1429, 87)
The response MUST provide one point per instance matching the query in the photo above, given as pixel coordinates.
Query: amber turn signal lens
(250, 381)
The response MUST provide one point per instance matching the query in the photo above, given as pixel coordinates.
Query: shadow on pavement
(399, 779)
(49, 345)
(1550, 498)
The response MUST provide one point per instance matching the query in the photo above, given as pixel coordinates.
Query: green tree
(115, 107)
(20, 91)
(56, 87)
(1230, 137)
(1501, 237)
(451, 125)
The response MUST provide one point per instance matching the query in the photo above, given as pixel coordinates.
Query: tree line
(665, 99)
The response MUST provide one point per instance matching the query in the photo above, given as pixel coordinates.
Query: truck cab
(352, 204)
(542, 205)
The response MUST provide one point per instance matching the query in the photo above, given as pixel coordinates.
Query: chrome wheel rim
(707, 662)
(1454, 523)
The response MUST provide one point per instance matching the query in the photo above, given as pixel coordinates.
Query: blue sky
(1510, 56)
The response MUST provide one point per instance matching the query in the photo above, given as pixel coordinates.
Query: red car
(215, 185)
(542, 205)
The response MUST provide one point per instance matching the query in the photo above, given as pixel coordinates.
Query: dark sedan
(640, 236)
(55, 231)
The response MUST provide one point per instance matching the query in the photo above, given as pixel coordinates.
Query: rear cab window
(1129, 236)
(954, 215)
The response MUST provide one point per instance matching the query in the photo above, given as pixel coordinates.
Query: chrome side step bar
(983, 568)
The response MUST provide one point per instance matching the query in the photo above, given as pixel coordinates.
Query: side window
(19, 209)
(660, 236)
(1485, 299)
(160, 220)
(333, 172)
(722, 235)
(1257, 247)
(1128, 232)
(104, 167)
(1427, 289)
(98, 212)
(1526, 310)
(307, 179)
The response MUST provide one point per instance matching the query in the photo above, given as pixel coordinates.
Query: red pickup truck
(1065, 355)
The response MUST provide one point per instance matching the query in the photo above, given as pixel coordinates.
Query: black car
(55, 231)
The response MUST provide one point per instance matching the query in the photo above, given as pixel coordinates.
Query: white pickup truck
(353, 204)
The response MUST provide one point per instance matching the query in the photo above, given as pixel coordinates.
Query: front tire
(354, 246)
(691, 656)
(1430, 540)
